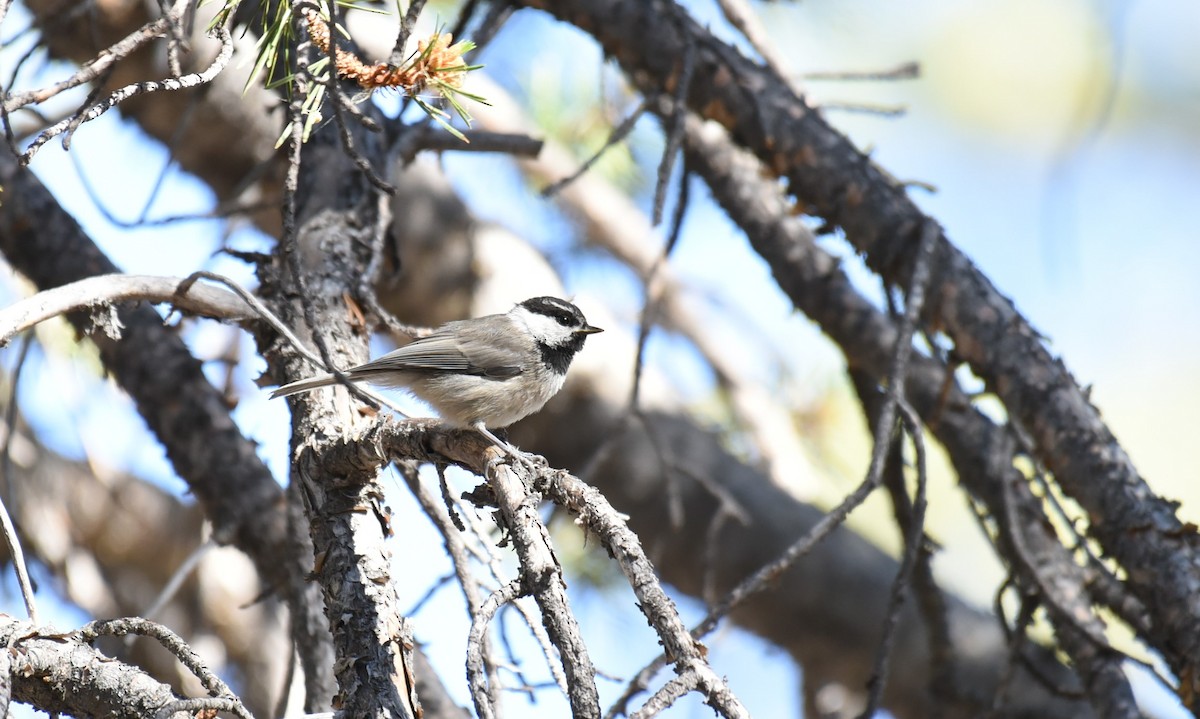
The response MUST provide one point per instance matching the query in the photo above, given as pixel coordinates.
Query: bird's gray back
(486, 346)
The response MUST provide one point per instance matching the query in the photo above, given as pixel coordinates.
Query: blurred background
(1055, 142)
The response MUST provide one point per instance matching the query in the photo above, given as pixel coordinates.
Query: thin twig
(437, 586)
(170, 641)
(834, 518)
(407, 23)
(18, 557)
(675, 132)
(447, 500)
(1102, 581)
(447, 524)
(524, 685)
(370, 279)
(680, 646)
(654, 289)
(194, 101)
(486, 553)
(423, 136)
(139, 88)
(905, 71)
(866, 108)
(481, 692)
(667, 695)
(177, 578)
(176, 37)
(617, 135)
(912, 549)
(223, 210)
(341, 103)
(93, 70)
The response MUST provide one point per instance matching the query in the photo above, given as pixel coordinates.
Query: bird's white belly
(467, 399)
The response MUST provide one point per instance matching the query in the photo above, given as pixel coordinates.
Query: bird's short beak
(588, 330)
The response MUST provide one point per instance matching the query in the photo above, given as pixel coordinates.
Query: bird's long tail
(304, 385)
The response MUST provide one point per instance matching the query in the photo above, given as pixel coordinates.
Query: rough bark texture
(188, 415)
(114, 542)
(831, 179)
(983, 453)
(343, 504)
(62, 674)
(542, 577)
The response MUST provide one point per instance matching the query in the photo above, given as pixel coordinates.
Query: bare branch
(238, 492)
(423, 440)
(904, 71)
(541, 577)
(837, 182)
(679, 646)
(679, 685)
(481, 652)
(172, 643)
(119, 96)
(489, 555)
(914, 534)
(93, 70)
(426, 137)
(618, 134)
(62, 673)
(674, 129)
(173, 585)
(108, 289)
(483, 691)
(18, 555)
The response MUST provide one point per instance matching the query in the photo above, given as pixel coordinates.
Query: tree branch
(89, 293)
(224, 133)
(151, 362)
(188, 415)
(835, 181)
(981, 452)
(62, 673)
(541, 577)
(329, 222)
(429, 441)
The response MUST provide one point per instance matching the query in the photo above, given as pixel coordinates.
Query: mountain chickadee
(485, 372)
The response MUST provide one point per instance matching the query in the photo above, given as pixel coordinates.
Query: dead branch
(837, 182)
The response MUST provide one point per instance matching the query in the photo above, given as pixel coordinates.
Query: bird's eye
(564, 320)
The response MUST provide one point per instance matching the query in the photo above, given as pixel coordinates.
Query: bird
(483, 373)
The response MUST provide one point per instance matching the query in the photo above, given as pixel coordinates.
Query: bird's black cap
(563, 312)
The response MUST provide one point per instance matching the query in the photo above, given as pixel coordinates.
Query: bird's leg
(508, 448)
(531, 460)
(527, 460)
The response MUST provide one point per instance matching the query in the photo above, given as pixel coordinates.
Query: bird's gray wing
(486, 351)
